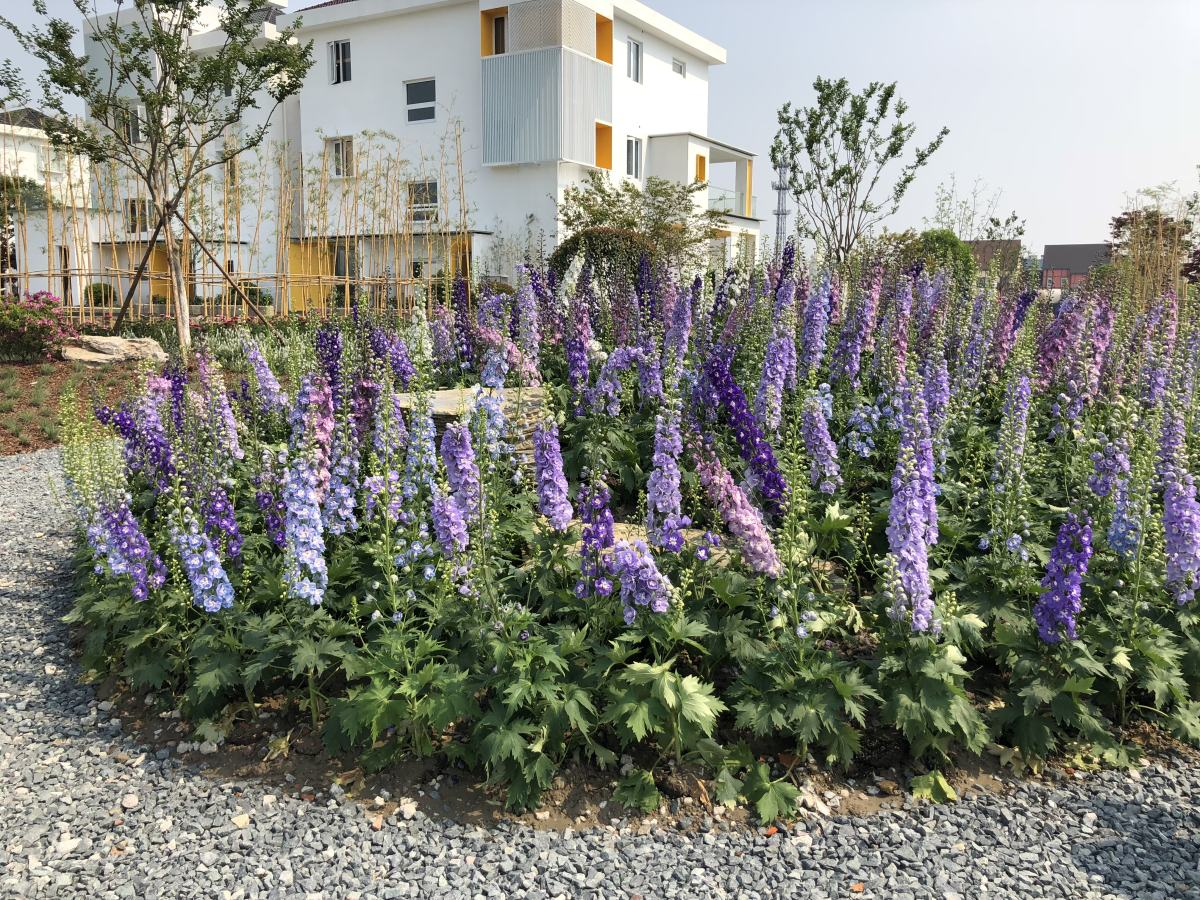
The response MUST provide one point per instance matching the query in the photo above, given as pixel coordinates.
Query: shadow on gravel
(1144, 850)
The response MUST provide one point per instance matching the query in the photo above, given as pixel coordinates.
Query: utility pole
(780, 186)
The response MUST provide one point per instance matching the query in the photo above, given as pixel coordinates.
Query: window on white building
(340, 155)
(129, 123)
(339, 61)
(633, 157)
(679, 67)
(499, 34)
(634, 63)
(137, 215)
(423, 200)
(420, 97)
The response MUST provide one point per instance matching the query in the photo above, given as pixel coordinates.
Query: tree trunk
(183, 302)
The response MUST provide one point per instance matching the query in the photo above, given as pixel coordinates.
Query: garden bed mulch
(281, 750)
(30, 394)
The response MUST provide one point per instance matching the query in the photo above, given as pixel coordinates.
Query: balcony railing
(731, 202)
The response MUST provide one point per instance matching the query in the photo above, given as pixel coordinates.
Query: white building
(543, 91)
(46, 235)
(433, 132)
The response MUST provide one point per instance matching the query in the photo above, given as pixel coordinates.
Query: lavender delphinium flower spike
(598, 540)
(553, 502)
(339, 513)
(462, 471)
(1181, 529)
(912, 519)
(1110, 463)
(211, 588)
(816, 324)
(642, 585)
(449, 526)
(664, 520)
(739, 515)
(824, 471)
(115, 536)
(270, 395)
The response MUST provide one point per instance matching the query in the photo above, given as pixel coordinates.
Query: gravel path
(86, 812)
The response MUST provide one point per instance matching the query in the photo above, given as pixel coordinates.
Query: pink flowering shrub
(33, 325)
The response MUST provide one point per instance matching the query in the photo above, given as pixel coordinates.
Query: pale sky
(1067, 106)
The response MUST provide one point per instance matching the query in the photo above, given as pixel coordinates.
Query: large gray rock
(101, 350)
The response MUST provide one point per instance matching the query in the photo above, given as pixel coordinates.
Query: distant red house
(1065, 266)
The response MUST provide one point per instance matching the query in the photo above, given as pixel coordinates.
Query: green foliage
(818, 700)
(740, 778)
(1050, 696)
(933, 787)
(837, 152)
(923, 683)
(942, 248)
(613, 223)
(654, 700)
(99, 293)
(637, 790)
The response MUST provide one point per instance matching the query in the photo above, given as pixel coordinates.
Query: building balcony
(732, 203)
(688, 157)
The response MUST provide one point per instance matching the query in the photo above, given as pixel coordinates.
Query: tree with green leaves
(665, 213)
(839, 151)
(159, 109)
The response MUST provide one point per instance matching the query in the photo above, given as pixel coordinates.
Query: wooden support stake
(232, 283)
(137, 276)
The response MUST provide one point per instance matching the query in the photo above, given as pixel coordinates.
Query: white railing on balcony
(731, 202)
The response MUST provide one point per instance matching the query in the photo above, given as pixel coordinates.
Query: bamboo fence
(295, 236)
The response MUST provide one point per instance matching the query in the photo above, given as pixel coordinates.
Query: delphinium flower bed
(773, 509)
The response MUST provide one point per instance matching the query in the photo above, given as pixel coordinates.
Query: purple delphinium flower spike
(1062, 599)
(824, 472)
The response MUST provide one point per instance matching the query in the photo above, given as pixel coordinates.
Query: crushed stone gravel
(87, 812)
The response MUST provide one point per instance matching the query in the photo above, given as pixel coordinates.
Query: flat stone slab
(451, 403)
(103, 350)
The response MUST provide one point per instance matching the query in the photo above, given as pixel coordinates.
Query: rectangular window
(499, 34)
(633, 157)
(423, 200)
(339, 61)
(340, 155)
(137, 216)
(634, 64)
(679, 67)
(420, 97)
(129, 124)
(701, 168)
